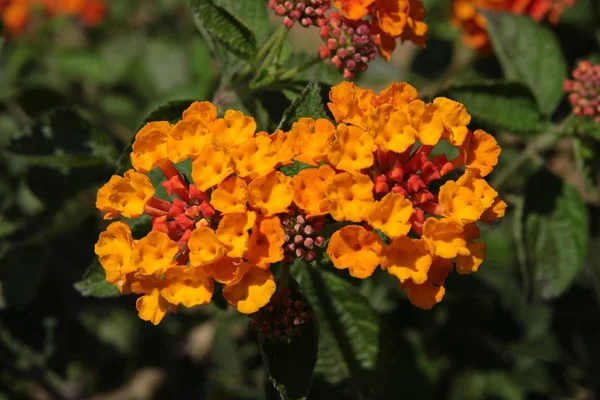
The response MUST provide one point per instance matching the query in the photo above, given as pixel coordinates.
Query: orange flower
(407, 258)
(126, 196)
(466, 264)
(350, 196)
(309, 140)
(352, 149)
(227, 270)
(455, 119)
(205, 247)
(431, 292)
(150, 146)
(445, 237)
(114, 249)
(272, 193)
(309, 190)
(480, 152)
(391, 129)
(356, 249)
(495, 211)
(427, 122)
(233, 232)
(211, 167)
(353, 9)
(187, 139)
(232, 130)
(187, 286)
(466, 199)
(203, 111)
(350, 104)
(255, 157)
(252, 292)
(391, 215)
(230, 196)
(266, 242)
(154, 254)
(16, 16)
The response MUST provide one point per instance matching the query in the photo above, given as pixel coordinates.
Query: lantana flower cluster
(17, 14)
(237, 214)
(584, 90)
(358, 28)
(466, 14)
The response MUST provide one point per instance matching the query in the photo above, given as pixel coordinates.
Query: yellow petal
(204, 247)
(272, 193)
(407, 258)
(309, 190)
(352, 149)
(114, 249)
(150, 146)
(126, 196)
(445, 237)
(154, 253)
(391, 215)
(187, 286)
(266, 242)
(233, 232)
(230, 196)
(252, 292)
(152, 307)
(211, 167)
(187, 139)
(356, 249)
(232, 130)
(350, 196)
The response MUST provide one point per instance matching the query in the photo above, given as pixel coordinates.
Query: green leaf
(290, 364)
(253, 14)
(529, 53)
(358, 354)
(292, 170)
(500, 105)
(22, 271)
(94, 283)
(485, 385)
(555, 234)
(308, 104)
(225, 28)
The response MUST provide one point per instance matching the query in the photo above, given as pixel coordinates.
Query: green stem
(301, 68)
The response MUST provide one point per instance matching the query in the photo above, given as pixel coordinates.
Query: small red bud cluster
(302, 236)
(281, 318)
(584, 90)
(349, 45)
(307, 12)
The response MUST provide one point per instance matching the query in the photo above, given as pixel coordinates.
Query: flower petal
(356, 249)
(252, 292)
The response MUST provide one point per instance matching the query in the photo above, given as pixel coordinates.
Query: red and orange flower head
(467, 16)
(220, 222)
(380, 178)
(358, 28)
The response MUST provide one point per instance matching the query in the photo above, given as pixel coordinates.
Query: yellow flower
(398, 94)
(350, 104)
(187, 286)
(430, 292)
(356, 249)
(266, 242)
(232, 130)
(211, 167)
(466, 199)
(233, 232)
(154, 254)
(425, 119)
(309, 140)
(227, 270)
(349, 195)
(481, 152)
(352, 149)
(150, 146)
(309, 190)
(391, 215)
(407, 258)
(152, 306)
(230, 196)
(205, 247)
(252, 292)
(445, 237)
(272, 193)
(255, 157)
(391, 129)
(204, 111)
(280, 141)
(126, 196)
(114, 249)
(455, 119)
(187, 139)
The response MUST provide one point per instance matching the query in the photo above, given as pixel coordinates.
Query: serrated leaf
(309, 104)
(555, 234)
(290, 364)
(94, 283)
(529, 53)
(500, 105)
(225, 28)
(253, 14)
(357, 352)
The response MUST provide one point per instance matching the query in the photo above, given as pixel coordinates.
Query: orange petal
(272, 193)
(356, 249)
(252, 292)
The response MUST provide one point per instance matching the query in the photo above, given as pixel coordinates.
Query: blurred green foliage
(525, 326)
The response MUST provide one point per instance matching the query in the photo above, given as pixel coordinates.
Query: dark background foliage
(525, 326)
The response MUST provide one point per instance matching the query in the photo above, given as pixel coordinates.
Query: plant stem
(301, 68)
